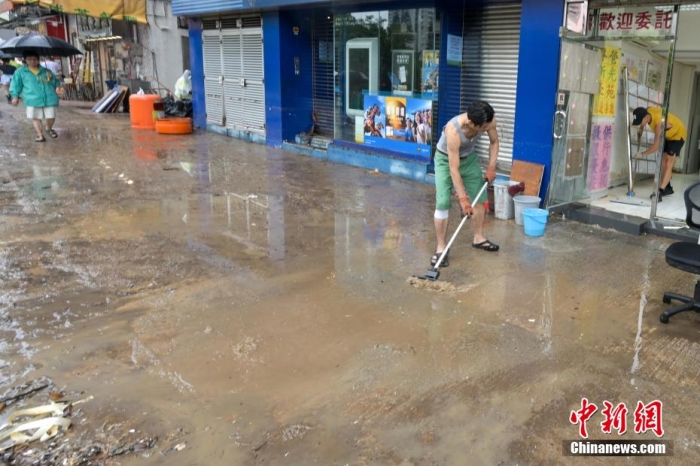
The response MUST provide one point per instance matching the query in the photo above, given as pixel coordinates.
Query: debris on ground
(439, 286)
(56, 432)
(178, 447)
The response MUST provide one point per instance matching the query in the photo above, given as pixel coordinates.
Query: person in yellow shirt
(674, 138)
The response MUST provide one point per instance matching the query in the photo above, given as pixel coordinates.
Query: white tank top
(466, 146)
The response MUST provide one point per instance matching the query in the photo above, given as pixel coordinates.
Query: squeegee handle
(456, 233)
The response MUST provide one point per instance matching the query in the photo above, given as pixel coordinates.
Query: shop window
(387, 78)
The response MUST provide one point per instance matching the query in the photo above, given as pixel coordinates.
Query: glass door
(581, 63)
(623, 60)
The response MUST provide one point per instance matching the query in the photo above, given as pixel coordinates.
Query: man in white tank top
(457, 166)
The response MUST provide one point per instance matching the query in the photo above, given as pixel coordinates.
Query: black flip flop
(40, 139)
(436, 257)
(486, 246)
(51, 133)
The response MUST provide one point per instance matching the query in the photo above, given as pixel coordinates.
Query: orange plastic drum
(174, 126)
(141, 110)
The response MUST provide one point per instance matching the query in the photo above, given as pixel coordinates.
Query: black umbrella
(42, 45)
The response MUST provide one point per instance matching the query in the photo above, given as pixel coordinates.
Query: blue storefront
(266, 71)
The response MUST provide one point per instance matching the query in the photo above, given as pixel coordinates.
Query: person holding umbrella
(6, 72)
(39, 89)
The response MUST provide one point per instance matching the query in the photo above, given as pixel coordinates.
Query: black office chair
(686, 256)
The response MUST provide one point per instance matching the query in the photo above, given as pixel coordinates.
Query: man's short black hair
(480, 113)
(30, 53)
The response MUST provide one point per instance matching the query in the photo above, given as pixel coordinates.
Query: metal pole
(667, 101)
(630, 179)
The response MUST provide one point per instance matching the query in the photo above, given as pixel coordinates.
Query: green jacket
(36, 90)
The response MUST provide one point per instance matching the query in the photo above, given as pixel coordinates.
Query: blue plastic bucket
(534, 221)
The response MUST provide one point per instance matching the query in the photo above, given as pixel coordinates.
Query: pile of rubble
(34, 433)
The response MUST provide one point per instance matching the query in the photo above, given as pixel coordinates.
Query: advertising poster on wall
(636, 67)
(454, 50)
(402, 67)
(430, 72)
(654, 71)
(399, 123)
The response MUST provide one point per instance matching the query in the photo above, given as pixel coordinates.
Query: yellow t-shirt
(675, 130)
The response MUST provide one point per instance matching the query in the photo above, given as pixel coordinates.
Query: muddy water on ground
(253, 304)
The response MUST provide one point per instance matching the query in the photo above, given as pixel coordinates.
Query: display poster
(636, 68)
(401, 124)
(402, 67)
(654, 72)
(454, 50)
(430, 72)
(600, 154)
(609, 73)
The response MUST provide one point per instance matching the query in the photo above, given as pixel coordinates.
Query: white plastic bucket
(535, 221)
(522, 203)
(504, 209)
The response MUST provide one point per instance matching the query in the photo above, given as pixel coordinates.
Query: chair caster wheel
(666, 300)
(663, 319)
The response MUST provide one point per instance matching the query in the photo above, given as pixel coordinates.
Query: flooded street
(252, 304)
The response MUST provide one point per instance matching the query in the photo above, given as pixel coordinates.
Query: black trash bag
(177, 108)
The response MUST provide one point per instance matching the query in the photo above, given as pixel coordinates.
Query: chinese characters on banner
(646, 21)
(647, 417)
(609, 72)
(599, 156)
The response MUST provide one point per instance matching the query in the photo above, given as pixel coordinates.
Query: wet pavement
(253, 305)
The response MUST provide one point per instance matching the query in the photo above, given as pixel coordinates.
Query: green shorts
(472, 176)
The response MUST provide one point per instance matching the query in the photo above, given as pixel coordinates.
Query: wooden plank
(115, 105)
(529, 173)
(125, 91)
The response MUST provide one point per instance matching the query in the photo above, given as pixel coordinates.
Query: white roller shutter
(244, 84)
(231, 45)
(213, 73)
(253, 79)
(490, 69)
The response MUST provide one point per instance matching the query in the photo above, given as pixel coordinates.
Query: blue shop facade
(375, 80)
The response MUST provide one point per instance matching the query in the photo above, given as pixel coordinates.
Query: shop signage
(635, 22)
(600, 155)
(454, 50)
(609, 74)
(402, 72)
(401, 124)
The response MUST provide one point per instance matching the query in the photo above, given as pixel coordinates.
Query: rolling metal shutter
(323, 50)
(253, 77)
(234, 73)
(244, 84)
(490, 69)
(213, 72)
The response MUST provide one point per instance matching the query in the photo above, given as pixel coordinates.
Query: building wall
(165, 41)
(680, 103)
(450, 76)
(288, 95)
(538, 71)
(199, 110)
